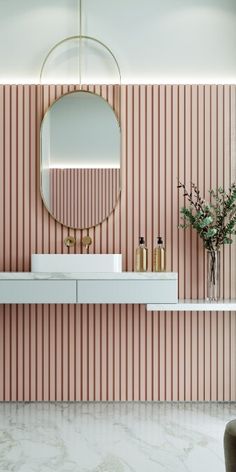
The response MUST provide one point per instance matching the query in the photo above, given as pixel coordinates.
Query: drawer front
(37, 291)
(127, 291)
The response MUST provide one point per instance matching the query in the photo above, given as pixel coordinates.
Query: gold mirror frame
(117, 112)
(41, 162)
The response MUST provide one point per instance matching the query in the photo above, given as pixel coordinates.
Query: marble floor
(113, 437)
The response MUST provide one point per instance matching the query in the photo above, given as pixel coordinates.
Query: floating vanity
(55, 279)
(110, 287)
(158, 291)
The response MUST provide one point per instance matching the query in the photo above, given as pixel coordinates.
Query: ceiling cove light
(80, 59)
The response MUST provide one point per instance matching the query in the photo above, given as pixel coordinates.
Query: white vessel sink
(76, 263)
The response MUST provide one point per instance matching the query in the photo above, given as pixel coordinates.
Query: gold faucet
(69, 241)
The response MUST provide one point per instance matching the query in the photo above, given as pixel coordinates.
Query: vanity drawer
(127, 291)
(37, 291)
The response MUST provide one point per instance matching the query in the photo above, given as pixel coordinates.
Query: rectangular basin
(76, 263)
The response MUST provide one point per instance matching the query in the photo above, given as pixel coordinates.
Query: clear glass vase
(213, 275)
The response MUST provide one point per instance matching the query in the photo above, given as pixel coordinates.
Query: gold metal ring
(71, 38)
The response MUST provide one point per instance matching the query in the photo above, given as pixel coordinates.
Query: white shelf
(194, 305)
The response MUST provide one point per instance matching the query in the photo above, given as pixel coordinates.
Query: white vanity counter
(88, 276)
(82, 287)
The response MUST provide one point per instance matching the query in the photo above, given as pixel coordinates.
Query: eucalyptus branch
(214, 220)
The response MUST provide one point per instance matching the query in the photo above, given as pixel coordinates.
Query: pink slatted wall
(99, 188)
(66, 352)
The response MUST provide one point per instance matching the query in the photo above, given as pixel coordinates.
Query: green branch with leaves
(214, 221)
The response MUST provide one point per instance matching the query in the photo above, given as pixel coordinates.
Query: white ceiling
(169, 41)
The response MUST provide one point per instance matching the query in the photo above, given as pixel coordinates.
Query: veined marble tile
(113, 437)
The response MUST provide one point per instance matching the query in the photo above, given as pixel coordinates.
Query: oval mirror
(80, 159)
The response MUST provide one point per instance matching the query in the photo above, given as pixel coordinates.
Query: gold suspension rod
(80, 43)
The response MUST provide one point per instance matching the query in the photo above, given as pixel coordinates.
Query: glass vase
(213, 275)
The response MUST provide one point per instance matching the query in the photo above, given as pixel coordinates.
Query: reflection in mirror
(80, 159)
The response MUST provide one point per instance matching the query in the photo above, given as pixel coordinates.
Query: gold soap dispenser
(141, 256)
(159, 256)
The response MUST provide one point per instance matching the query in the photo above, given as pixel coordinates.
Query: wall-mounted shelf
(194, 305)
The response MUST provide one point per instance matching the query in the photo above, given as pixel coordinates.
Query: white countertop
(89, 276)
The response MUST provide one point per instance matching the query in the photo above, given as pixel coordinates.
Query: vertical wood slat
(70, 208)
(120, 352)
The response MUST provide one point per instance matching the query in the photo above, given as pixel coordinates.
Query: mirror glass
(80, 159)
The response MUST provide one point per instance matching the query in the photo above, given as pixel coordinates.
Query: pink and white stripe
(92, 352)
